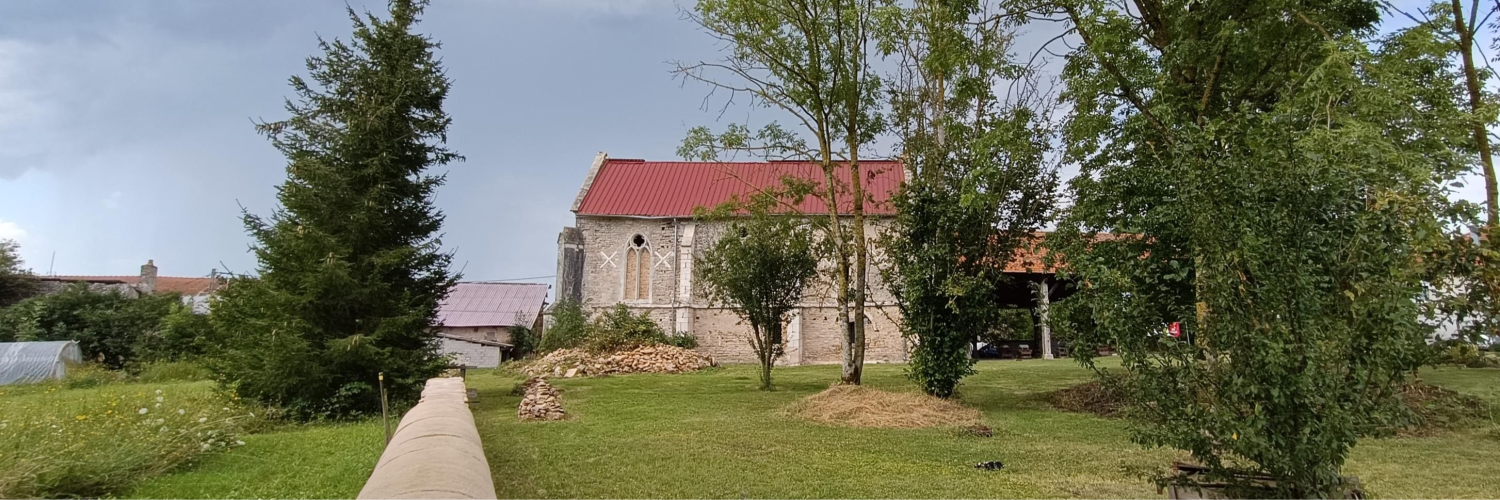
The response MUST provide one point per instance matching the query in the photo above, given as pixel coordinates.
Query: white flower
(158, 405)
(162, 429)
(143, 411)
(239, 443)
(159, 398)
(205, 446)
(180, 412)
(202, 419)
(158, 391)
(226, 408)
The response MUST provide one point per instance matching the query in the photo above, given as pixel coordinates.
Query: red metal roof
(184, 286)
(492, 304)
(674, 188)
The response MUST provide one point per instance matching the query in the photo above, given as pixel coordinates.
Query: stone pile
(643, 359)
(541, 401)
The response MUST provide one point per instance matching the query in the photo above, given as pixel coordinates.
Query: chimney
(147, 284)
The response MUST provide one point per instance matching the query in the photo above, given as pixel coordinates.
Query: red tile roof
(674, 188)
(492, 304)
(184, 286)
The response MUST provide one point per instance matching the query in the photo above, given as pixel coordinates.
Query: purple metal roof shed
(493, 304)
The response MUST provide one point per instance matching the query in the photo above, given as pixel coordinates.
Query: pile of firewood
(541, 402)
(643, 359)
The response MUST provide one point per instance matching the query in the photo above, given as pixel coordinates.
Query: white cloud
(113, 201)
(10, 231)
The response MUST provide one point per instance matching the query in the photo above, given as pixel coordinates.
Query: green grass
(713, 435)
(312, 461)
(56, 441)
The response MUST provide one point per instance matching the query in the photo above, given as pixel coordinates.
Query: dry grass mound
(858, 406)
(1437, 408)
(1089, 397)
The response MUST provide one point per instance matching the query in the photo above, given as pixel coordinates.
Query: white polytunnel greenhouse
(27, 362)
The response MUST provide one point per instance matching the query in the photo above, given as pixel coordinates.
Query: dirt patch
(1089, 397)
(858, 406)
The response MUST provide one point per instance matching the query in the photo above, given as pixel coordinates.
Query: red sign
(1174, 329)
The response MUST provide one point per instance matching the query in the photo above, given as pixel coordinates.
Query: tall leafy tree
(350, 272)
(16, 281)
(981, 180)
(1270, 176)
(810, 60)
(759, 269)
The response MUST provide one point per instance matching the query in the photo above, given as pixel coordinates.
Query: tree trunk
(1476, 101)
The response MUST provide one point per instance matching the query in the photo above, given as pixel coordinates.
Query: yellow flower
(82, 417)
(1235, 436)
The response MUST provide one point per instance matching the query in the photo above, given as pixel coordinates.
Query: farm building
(195, 291)
(476, 321)
(634, 242)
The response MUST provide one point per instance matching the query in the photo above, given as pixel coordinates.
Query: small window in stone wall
(638, 269)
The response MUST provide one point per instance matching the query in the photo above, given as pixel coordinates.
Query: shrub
(182, 334)
(683, 341)
(62, 442)
(568, 329)
(108, 326)
(618, 329)
(522, 340)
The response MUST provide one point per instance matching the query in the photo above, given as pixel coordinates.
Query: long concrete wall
(435, 452)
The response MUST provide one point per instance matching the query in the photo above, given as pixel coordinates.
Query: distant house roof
(184, 286)
(492, 304)
(639, 188)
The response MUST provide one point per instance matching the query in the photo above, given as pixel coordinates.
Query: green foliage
(522, 340)
(758, 268)
(568, 329)
(94, 440)
(618, 329)
(107, 326)
(982, 181)
(16, 282)
(612, 330)
(350, 268)
(181, 335)
(1272, 176)
(811, 61)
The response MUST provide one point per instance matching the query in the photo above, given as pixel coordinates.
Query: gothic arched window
(637, 269)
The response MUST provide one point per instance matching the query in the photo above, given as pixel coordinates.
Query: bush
(182, 334)
(618, 329)
(522, 340)
(92, 375)
(95, 442)
(568, 329)
(108, 326)
(613, 330)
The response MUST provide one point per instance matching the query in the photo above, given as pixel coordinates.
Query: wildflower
(202, 419)
(205, 446)
(82, 417)
(239, 442)
(180, 411)
(158, 391)
(143, 411)
(159, 398)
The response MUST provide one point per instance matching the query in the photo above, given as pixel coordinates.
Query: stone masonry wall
(471, 354)
(720, 332)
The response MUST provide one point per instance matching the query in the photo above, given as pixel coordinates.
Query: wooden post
(384, 409)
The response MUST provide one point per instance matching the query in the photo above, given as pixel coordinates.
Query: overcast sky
(125, 125)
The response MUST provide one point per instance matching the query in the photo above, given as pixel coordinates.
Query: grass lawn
(313, 461)
(712, 435)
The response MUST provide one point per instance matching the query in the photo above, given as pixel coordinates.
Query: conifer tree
(350, 272)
